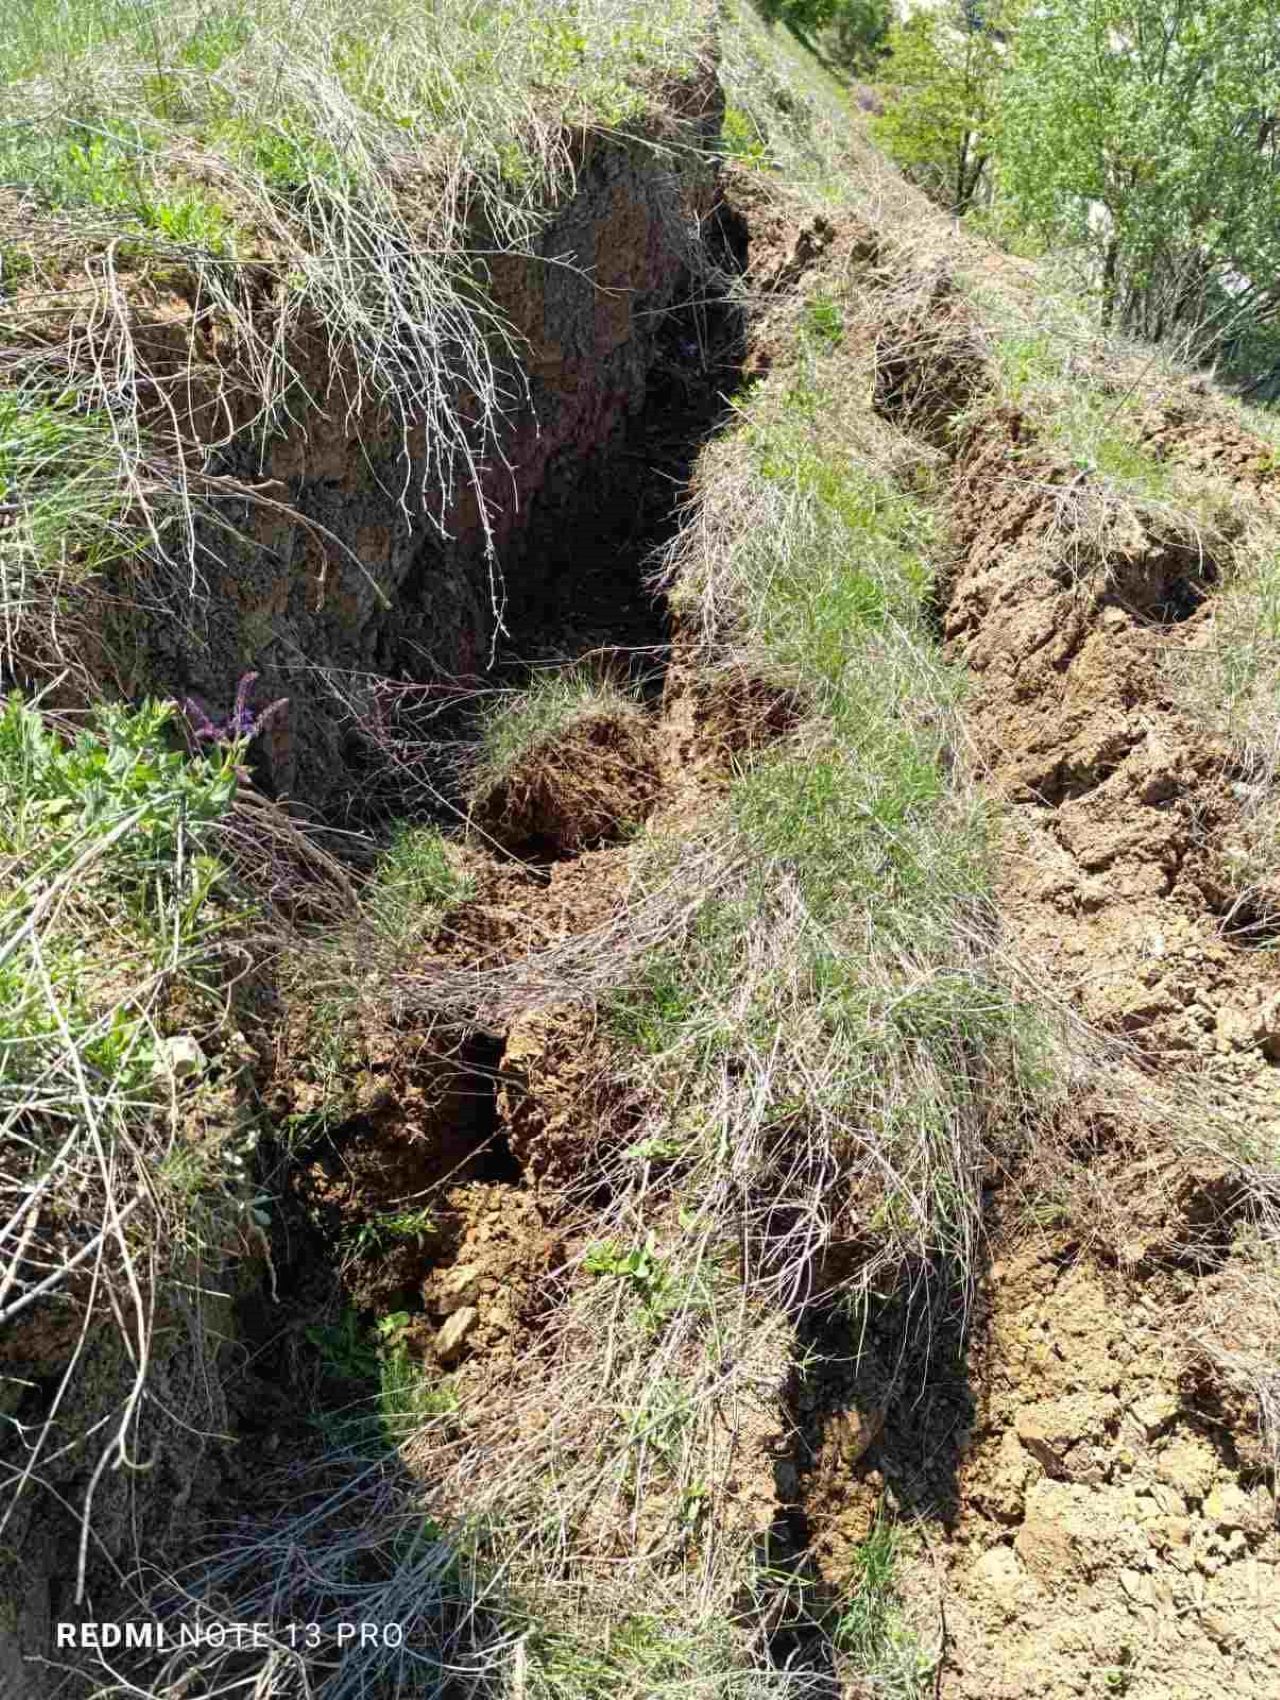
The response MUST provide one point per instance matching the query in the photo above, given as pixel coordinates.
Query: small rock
(1000, 1570)
(1189, 1465)
(454, 1331)
(1169, 1500)
(1137, 1586)
(1153, 1412)
(1229, 1507)
(854, 1431)
(458, 1287)
(179, 1056)
(1218, 1628)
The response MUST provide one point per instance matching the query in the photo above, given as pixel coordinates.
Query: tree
(1145, 131)
(942, 71)
(860, 32)
(857, 29)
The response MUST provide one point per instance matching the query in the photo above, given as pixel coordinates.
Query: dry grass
(224, 218)
(819, 1055)
(115, 952)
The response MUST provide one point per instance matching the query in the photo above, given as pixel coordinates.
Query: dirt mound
(554, 1100)
(1109, 1541)
(476, 1304)
(1113, 1527)
(517, 910)
(1122, 808)
(587, 787)
(736, 713)
(931, 359)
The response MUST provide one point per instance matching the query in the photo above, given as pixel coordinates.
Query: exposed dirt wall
(365, 583)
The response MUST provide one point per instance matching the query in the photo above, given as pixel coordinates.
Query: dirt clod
(587, 788)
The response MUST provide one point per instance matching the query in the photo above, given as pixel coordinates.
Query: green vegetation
(1133, 130)
(942, 74)
(644, 1659)
(788, 112)
(869, 1018)
(416, 881)
(63, 511)
(411, 1227)
(852, 32)
(276, 165)
(796, 1051)
(519, 724)
(355, 1357)
(117, 1064)
(1133, 134)
(871, 1632)
(105, 838)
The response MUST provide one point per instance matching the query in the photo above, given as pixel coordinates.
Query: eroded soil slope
(1116, 1521)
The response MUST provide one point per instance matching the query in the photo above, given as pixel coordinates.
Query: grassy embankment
(828, 1057)
(825, 1044)
(825, 1051)
(287, 176)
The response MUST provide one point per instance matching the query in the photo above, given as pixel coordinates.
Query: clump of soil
(1109, 1540)
(737, 713)
(1121, 808)
(587, 786)
(555, 1099)
(931, 359)
(478, 1304)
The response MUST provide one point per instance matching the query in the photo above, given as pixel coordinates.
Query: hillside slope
(731, 1148)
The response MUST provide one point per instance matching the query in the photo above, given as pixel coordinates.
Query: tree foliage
(1146, 131)
(855, 31)
(942, 74)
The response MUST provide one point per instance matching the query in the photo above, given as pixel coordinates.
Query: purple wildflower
(242, 725)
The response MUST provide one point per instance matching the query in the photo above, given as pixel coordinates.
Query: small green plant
(641, 1267)
(406, 1227)
(346, 1347)
(652, 1009)
(824, 321)
(416, 880)
(741, 140)
(394, 1394)
(870, 1631)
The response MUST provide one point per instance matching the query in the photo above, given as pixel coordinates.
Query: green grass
(417, 879)
(356, 172)
(643, 1658)
(118, 1069)
(872, 1014)
(520, 723)
(378, 1394)
(103, 842)
(787, 114)
(871, 1632)
(395, 1227)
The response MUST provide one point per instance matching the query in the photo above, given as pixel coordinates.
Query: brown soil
(1109, 1537)
(588, 787)
(1094, 1505)
(1107, 1516)
(1121, 808)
